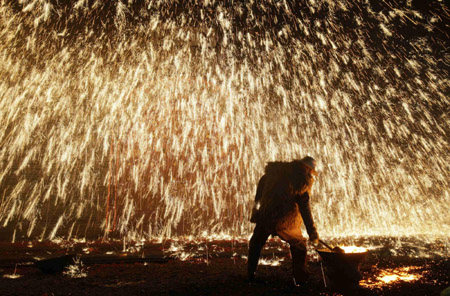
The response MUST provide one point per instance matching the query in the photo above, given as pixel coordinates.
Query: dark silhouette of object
(281, 206)
(342, 269)
(335, 249)
(54, 265)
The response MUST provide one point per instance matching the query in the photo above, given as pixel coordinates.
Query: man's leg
(299, 266)
(257, 242)
(293, 235)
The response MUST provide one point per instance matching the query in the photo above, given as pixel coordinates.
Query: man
(281, 206)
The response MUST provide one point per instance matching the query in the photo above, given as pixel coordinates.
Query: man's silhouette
(281, 206)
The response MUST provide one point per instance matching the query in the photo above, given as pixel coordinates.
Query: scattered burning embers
(391, 276)
(275, 261)
(76, 270)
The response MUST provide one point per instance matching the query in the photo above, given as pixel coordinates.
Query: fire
(354, 249)
(394, 275)
(400, 274)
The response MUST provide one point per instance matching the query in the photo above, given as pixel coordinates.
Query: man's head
(310, 162)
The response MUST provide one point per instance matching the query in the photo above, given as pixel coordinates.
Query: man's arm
(259, 193)
(305, 211)
(260, 188)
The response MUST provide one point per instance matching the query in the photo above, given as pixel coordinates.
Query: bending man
(281, 206)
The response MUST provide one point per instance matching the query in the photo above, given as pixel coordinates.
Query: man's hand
(314, 239)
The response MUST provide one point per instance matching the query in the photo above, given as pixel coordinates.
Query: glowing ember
(399, 274)
(12, 276)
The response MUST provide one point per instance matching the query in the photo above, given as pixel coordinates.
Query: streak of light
(160, 127)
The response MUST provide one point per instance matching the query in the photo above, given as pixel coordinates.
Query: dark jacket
(284, 185)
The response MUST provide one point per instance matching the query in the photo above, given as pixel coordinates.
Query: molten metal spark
(275, 261)
(12, 276)
(157, 122)
(76, 270)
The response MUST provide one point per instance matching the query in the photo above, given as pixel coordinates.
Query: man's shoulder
(277, 168)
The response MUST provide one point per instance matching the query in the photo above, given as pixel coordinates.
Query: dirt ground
(210, 268)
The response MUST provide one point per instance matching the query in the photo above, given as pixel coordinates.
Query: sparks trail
(152, 120)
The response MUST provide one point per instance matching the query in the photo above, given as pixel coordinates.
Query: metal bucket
(342, 269)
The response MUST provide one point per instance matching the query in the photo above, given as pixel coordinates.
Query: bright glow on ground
(391, 276)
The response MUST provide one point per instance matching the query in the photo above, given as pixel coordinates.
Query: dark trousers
(298, 252)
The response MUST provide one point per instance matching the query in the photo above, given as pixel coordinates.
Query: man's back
(284, 183)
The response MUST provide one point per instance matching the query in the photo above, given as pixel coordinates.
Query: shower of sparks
(157, 120)
(275, 261)
(180, 251)
(76, 270)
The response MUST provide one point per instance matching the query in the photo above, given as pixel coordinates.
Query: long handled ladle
(335, 249)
